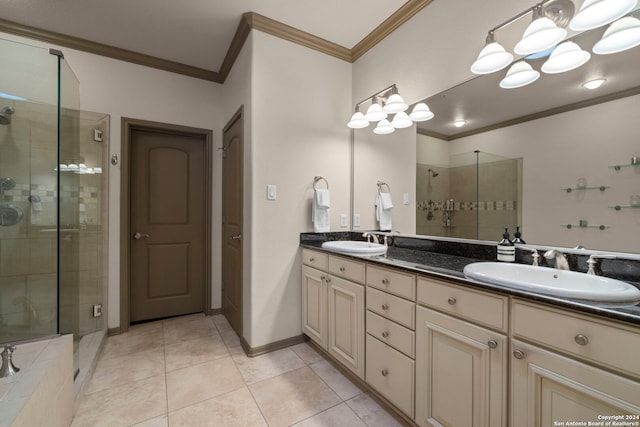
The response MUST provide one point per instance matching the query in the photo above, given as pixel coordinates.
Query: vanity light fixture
(385, 102)
(541, 34)
(593, 84)
(493, 57)
(621, 35)
(520, 74)
(566, 57)
(596, 13)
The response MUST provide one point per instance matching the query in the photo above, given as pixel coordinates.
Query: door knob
(139, 236)
(237, 237)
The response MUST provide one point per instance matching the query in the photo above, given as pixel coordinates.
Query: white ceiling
(194, 32)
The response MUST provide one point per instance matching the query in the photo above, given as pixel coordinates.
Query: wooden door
(167, 223)
(346, 323)
(461, 373)
(232, 223)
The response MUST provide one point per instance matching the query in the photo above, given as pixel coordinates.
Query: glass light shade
(492, 58)
(375, 113)
(395, 104)
(566, 57)
(520, 74)
(358, 121)
(421, 113)
(72, 166)
(540, 35)
(401, 120)
(596, 13)
(621, 35)
(63, 167)
(384, 128)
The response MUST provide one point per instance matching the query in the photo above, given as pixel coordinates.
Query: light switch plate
(356, 220)
(343, 220)
(271, 192)
(406, 198)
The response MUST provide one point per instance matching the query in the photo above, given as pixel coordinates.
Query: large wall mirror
(554, 158)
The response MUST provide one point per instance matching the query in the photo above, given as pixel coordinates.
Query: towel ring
(383, 184)
(319, 178)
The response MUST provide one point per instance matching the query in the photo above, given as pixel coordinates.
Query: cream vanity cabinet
(461, 356)
(570, 367)
(333, 306)
(390, 341)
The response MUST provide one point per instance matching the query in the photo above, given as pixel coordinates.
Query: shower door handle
(139, 236)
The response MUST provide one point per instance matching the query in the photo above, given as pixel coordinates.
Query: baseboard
(267, 348)
(114, 331)
(213, 311)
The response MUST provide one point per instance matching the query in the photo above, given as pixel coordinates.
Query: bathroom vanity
(445, 350)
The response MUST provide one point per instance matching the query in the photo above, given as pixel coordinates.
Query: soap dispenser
(506, 248)
(517, 237)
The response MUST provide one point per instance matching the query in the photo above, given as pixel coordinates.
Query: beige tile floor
(191, 371)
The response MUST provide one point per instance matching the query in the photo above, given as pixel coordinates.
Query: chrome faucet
(369, 235)
(561, 262)
(8, 368)
(534, 254)
(594, 263)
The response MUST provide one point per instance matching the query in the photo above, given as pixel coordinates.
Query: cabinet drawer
(392, 307)
(394, 282)
(398, 337)
(347, 269)
(391, 373)
(315, 259)
(479, 307)
(613, 346)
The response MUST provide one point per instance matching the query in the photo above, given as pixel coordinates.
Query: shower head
(433, 173)
(5, 115)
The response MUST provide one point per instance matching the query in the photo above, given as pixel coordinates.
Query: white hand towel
(320, 211)
(384, 215)
(386, 200)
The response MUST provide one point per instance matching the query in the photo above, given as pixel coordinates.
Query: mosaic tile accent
(493, 205)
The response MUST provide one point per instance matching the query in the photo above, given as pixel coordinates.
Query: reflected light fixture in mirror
(375, 113)
(540, 35)
(421, 113)
(459, 123)
(401, 120)
(621, 35)
(596, 13)
(520, 74)
(594, 84)
(493, 57)
(566, 57)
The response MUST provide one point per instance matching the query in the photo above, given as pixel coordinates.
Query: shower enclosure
(52, 257)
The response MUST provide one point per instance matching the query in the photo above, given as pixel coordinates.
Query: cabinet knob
(323, 277)
(385, 334)
(328, 279)
(451, 301)
(385, 281)
(581, 339)
(342, 269)
(492, 344)
(518, 354)
(384, 372)
(312, 259)
(385, 307)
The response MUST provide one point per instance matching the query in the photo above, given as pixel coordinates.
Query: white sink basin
(551, 281)
(355, 247)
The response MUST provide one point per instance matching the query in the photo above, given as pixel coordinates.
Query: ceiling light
(459, 123)
(520, 74)
(492, 57)
(541, 34)
(421, 113)
(596, 13)
(384, 128)
(566, 57)
(593, 84)
(621, 35)
(358, 121)
(395, 104)
(375, 113)
(401, 120)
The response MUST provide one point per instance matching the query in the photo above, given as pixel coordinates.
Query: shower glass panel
(472, 195)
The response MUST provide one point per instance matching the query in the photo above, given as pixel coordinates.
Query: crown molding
(249, 21)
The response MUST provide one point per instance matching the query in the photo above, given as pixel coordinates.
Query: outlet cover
(356, 220)
(97, 310)
(343, 220)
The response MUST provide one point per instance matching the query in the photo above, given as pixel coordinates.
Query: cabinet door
(314, 305)
(346, 323)
(461, 373)
(548, 389)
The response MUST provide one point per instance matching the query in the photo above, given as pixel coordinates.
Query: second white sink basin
(355, 247)
(551, 281)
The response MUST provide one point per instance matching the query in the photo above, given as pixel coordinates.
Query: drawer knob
(312, 260)
(451, 301)
(328, 279)
(323, 277)
(384, 372)
(581, 339)
(342, 269)
(385, 281)
(492, 344)
(385, 334)
(385, 307)
(518, 354)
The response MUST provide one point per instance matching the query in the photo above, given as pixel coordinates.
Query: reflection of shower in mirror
(433, 173)
(5, 115)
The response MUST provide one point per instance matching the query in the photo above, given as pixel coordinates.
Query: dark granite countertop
(440, 260)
